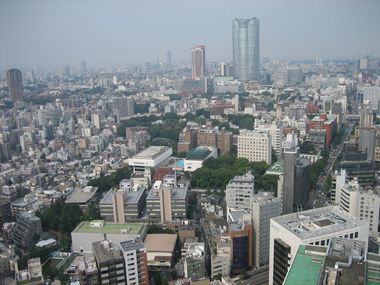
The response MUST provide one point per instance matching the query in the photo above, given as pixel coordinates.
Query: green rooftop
(305, 269)
(276, 168)
(198, 154)
(110, 228)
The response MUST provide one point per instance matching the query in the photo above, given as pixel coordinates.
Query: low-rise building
(82, 197)
(196, 157)
(88, 232)
(160, 250)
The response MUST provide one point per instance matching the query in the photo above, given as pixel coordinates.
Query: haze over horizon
(56, 33)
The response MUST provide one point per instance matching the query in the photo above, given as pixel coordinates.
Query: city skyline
(101, 34)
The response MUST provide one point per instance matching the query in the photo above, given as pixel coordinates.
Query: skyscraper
(83, 67)
(246, 48)
(14, 78)
(198, 61)
(169, 58)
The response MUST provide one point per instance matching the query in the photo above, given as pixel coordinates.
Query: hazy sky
(53, 33)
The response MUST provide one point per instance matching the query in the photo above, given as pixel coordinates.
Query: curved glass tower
(246, 48)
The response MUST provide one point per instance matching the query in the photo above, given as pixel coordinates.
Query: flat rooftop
(198, 154)
(81, 195)
(160, 242)
(312, 223)
(132, 244)
(151, 152)
(107, 251)
(110, 228)
(306, 267)
(130, 197)
(178, 193)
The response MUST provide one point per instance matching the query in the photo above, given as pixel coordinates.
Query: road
(318, 197)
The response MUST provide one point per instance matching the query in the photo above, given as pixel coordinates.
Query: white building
(275, 133)
(338, 181)
(369, 94)
(196, 157)
(239, 192)
(312, 227)
(362, 204)
(264, 207)
(150, 158)
(255, 145)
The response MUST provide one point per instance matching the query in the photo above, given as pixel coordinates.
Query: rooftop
(198, 154)
(130, 197)
(104, 251)
(151, 152)
(109, 228)
(306, 267)
(132, 244)
(160, 242)
(312, 223)
(81, 195)
(276, 168)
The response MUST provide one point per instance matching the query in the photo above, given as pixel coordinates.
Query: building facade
(246, 48)
(255, 145)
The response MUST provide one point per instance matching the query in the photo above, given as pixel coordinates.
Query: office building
(168, 58)
(312, 227)
(246, 49)
(338, 180)
(361, 203)
(123, 106)
(290, 159)
(223, 69)
(357, 164)
(89, 232)
(239, 192)
(366, 118)
(369, 95)
(136, 264)
(302, 185)
(264, 206)
(14, 80)
(255, 145)
(241, 246)
(120, 206)
(367, 141)
(28, 226)
(83, 67)
(198, 56)
(66, 71)
(276, 133)
(110, 261)
(167, 202)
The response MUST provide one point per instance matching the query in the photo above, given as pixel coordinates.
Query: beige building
(165, 194)
(255, 145)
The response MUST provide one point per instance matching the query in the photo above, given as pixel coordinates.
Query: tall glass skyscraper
(246, 48)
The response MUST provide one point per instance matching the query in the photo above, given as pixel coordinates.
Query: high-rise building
(110, 261)
(255, 145)
(27, 227)
(302, 185)
(366, 118)
(264, 206)
(367, 140)
(66, 71)
(223, 69)
(290, 158)
(246, 48)
(14, 79)
(314, 227)
(361, 203)
(83, 67)
(168, 58)
(136, 265)
(198, 57)
(239, 192)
